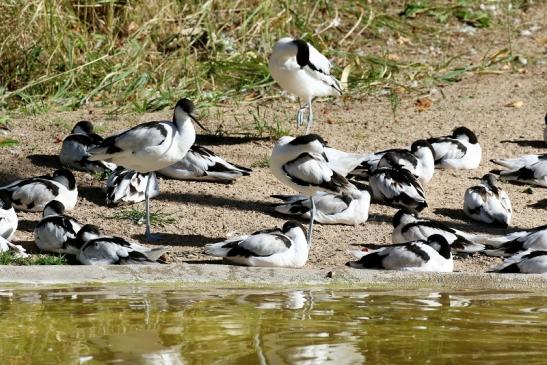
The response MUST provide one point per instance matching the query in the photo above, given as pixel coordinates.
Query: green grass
(264, 162)
(143, 55)
(138, 216)
(9, 258)
(8, 142)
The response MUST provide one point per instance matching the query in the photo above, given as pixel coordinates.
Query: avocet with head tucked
(526, 262)
(488, 203)
(56, 232)
(527, 169)
(128, 186)
(34, 193)
(432, 254)
(201, 164)
(286, 247)
(461, 150)
(75, 146)
(151, 146)
(302, 70)
(301, 163)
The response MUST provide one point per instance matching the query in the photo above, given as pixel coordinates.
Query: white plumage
(128, 186)
(202, 164)
(300, 163)
(286, 247)
(56, 232)
(5, 246)
(302, 70)
(74, 151)
(419, 160)
(97, 249)
(34, 193)
(8, 218)
(513, 243)
(432, 254)
(329, 208)
(151, 146)
(461, 150)
(526, 262)
(529, 169)
(408, 227)
(344, 162)
(397, 186)
(488, 203)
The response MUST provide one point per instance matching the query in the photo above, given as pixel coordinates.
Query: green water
(151, 325)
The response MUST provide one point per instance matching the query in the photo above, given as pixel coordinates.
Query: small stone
(330, 274)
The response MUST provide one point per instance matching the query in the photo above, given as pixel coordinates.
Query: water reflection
(150, 325)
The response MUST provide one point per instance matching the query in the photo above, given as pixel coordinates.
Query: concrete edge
(227, 276)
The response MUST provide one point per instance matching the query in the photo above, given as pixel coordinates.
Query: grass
(7, 142)
(142, 56)
(138, 216)
(264, 162)
(9, 258)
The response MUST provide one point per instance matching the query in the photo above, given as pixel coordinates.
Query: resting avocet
(527, 169)
(408, 227)
(34, 193)
(56, 232)
(128, 186)
(97, 249)
(488, 203)
(302, 70)
(513, 243)
(526, 262)
(286, 247)
(432, 254)
(300, 163)
(74, 151)
(461, 150)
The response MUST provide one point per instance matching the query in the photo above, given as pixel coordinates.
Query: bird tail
(221, 249)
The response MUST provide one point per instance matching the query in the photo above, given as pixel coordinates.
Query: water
(152, 325)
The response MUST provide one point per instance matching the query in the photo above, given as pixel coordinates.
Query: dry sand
(208, 212)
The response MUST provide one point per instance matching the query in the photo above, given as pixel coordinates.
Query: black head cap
(56, 206)
(88, 228)
(463, 131)
(5, 200)
(293, 224)
(302, 52)
(491, 179)
(397, 217)
(83, 125)
(186, 105)
(308, 138)
(65, 177)
(440, 244)
(420, 144)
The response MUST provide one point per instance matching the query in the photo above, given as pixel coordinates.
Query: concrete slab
(223, 276)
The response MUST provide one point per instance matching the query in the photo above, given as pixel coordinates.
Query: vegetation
(138, 216)
(142, 55)
(9, 258)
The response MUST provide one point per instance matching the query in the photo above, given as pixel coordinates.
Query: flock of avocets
(325, 179)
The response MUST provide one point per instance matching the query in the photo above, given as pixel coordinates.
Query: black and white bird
(300, 163)
(302, 70)
(397, 186)
(151, 146)
(408, 227)
(285, 247)
(526, 262)
(527, 169)
(128, 186)
(74, 151)
(329, 208)
(97, 249)
(201, 164)
(34, 193)
(488, 203)
(56, 232)
(461, 150)
(8, 218)
(419, 160)
(516, 242)
(344, 162)
(433, 254)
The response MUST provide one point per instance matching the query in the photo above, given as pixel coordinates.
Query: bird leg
(300, 114)
(149, 236)
(312, 217)
(310, 117)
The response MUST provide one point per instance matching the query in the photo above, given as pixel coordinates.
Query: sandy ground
(208, 212)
